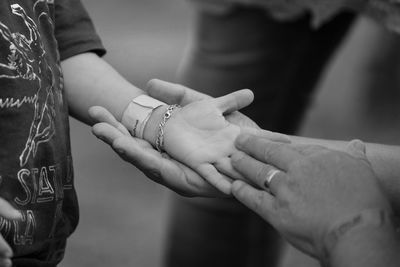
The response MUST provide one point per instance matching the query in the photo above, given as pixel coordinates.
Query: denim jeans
(281, 62)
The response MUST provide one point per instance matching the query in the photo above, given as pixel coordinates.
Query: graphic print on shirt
(25, 62)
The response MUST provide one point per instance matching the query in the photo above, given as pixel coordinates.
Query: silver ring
(271, 174)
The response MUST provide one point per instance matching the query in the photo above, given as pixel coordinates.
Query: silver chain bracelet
(160, 137)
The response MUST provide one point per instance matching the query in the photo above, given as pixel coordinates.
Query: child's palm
(199, 136)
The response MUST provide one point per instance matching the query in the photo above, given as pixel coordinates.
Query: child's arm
(196, 135)
(90, 81)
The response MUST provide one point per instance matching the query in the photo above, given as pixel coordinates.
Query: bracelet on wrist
(160, 136)
(138, 113)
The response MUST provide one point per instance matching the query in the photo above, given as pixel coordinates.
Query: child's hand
(199, 136)
(142, 155)
(10, 213)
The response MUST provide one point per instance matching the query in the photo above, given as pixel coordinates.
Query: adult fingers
(172, 93)
(9, 212)
(191, 182)
(260, 202)
(278, 154)
(263, 175)
(167, 172)
(234, 101)
(216, 179)
(107, 132)
(100, 114)
(272, 136)
(225, 166)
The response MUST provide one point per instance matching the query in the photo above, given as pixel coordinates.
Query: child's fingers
(100, 114)
(168, 172)
(9, 212)
(172, 93)
(234, 101)
(5, 262)
(216, 179)
(225, 166)
(5, 250)
(272, 136)
(106, 132)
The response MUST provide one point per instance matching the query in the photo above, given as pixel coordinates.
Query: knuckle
(258, 202)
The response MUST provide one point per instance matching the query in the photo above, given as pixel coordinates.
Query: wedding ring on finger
(270, 176)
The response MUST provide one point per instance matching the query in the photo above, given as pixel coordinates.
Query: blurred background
(123, 214)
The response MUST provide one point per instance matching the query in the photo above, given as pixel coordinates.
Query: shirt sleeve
(74, 30)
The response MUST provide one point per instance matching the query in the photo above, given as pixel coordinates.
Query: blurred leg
(281, 63)
(381, 74)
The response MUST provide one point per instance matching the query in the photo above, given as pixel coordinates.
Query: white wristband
(138, 113)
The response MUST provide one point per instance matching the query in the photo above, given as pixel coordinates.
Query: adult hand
(305, 190)
(10, 213)
(158, 167)
(201, 137)
(161, 168)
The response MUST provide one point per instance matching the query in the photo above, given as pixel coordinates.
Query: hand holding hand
(199, 136)
(159, 168)
(140, 153)
(305, 190)
(175, 93)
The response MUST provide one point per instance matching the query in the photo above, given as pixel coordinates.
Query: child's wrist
(138, 113)
(151, 128)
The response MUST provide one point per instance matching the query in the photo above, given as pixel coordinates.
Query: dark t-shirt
(35, 159)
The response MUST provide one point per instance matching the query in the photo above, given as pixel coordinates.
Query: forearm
(90, 81)
(384, 159)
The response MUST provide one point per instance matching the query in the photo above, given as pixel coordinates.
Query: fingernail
(358, 144)
(236, 186)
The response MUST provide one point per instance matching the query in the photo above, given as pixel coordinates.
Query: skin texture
(199, 136)
(161, 168)
(313, 190)
(385, 160)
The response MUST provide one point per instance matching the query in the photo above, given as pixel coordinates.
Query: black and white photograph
(200, 133)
